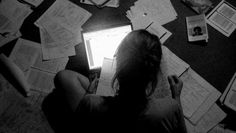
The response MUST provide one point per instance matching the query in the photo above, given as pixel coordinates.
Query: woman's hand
(176, 86)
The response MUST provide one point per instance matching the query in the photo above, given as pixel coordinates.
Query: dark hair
(137, 63)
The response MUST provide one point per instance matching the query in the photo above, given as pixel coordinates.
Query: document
(52, 49)
(67, 14)
(231, 85)
(105, 81)
(24, 53)
(172, 64)
(159, 31)
(160, 11)
(40, 80)
(208, 121)
(51, 66)
(223, 18)
(194, 94)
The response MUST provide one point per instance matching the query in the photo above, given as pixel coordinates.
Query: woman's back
(98, 113)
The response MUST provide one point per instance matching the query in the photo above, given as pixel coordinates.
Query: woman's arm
(176, 86)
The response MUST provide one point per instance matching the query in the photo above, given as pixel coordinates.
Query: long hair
(137, 64)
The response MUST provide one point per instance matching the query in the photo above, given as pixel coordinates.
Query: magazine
(197, 28)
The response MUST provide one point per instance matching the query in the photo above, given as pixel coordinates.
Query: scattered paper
(25, 53)
(67, 14)
(147, 11)
(173, 65)
(159, 31)
(208, 121)
(211, 118)
(12, 15)
(194, 93)
(223, 18)
(52, 49)
(40, 80)
(230, 86)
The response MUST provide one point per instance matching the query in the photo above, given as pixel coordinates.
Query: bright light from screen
(103, 43)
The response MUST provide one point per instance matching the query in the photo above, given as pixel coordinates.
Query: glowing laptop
(103, 43)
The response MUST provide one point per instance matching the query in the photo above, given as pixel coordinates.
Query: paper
(210, 119)
(160, 11)
(40, 80)
(60, 34)
(195, 91)
(67, 14)
(52, 66)
(172, 63)
(12, 15)
(223, 18)
(24, 53)
(105, 81)
(4, 39)
(34, 2)
(52, 49)
(213, 116)
(159, 31)
(220, 129)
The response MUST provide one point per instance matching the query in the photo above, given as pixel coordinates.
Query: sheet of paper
(107, 72)
(67, 14)
(159, 31)
(172, 63)
(52, 49)
(160, 11)
(223, 18)
(208, 121)
(52, 66)
(197, 95)
(34, 2)
(213, 116)
(24, 53)
(4, 39)
(40, 80)
(195, 91)
(12, 14)
(59, 33)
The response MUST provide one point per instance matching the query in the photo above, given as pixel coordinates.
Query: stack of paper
(60, 29)
(145, 12)
(27, 56)
(12, 16)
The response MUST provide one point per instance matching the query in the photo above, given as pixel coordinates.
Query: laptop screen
(103, 43)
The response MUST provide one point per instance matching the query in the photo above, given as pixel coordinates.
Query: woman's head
(137, 63)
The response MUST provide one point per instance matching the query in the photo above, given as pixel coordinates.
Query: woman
(132, 108)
